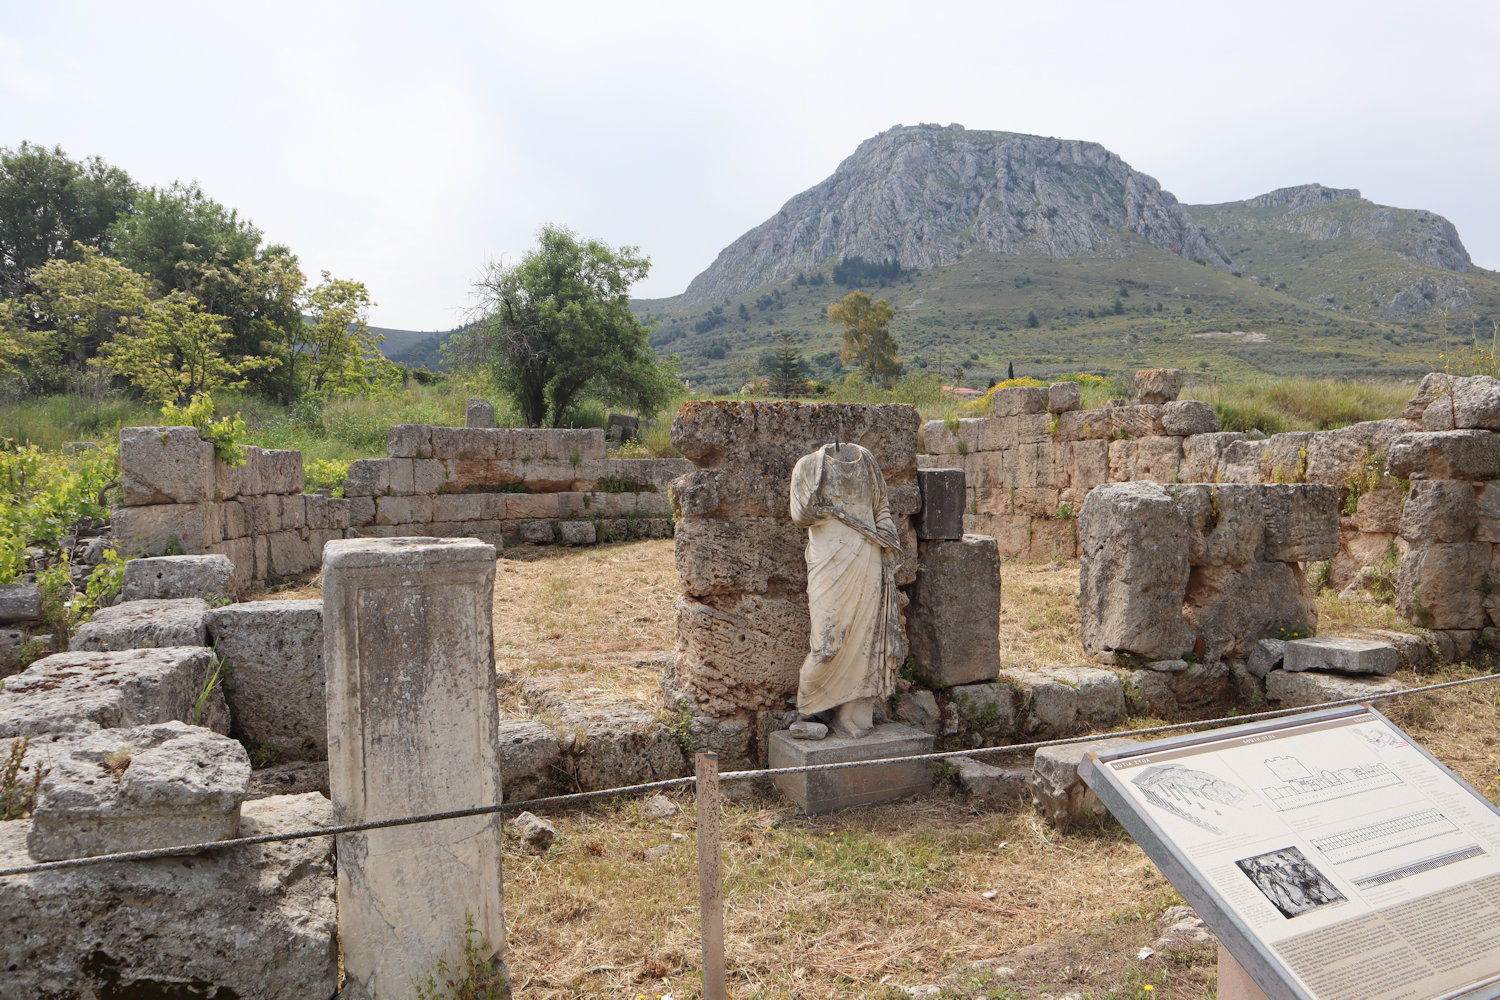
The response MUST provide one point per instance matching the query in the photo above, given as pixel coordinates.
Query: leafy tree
(49, 204)
(174, 353)
(180, 225)
(557, 327)
(786, 376)
(341, 353)
(867, 336)
(1031, 321)
(77, 307)
(260, 297)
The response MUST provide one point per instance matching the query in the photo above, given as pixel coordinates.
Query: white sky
(404, 144)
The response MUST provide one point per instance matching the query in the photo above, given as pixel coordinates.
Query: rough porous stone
(1131, 594)
(296, 777)
(1057, 790)
(953, 621)
(1229, 608)
(1159, 385)
(1185, 417)
(255, 921)
(1265, 656)
(479, 413)
(273, 650)
(728, 738)
(84, 691)
(535, 832)
(988, 785)
(20, 602)
(1312, 688)
(156, 529)
(942, 513)
(1465, 403)
(1056, 698)
(150, 624)
(1471, 454)
(166, 577)
(710, 433)
(737, 654)
(576, 532)
(1063, 397)
(529, 751)
(1302, 522)
(1439, 586)
(919, 709)
(1227, 523)
(1439, 510)
(135, 789)
(1342, 656)
(162, 465)
(727, 556)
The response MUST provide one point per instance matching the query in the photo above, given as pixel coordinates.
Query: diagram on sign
(1291, 882)
(1195, 796)
(1302, 786)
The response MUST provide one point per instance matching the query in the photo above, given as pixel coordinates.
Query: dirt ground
(974, 903)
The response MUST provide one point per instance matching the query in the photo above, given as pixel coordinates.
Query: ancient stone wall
(178, 498)
(507, 485)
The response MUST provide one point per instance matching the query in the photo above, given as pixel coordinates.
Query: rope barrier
(577, 798)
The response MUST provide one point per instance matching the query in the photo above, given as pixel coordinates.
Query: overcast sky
(407, 144)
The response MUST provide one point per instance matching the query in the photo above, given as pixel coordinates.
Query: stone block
(257, 921)
(281, 471)
(1202, 455)
(1063, 397)
(165, 465)
(1240, 462)
(134, 789)
(1379, 511)
(466, 444)
(619, 427)
(992, 786)
(1057, 790)
(368, 477)
(817, 792)
(528, 753)
(729, 738)
(1341, 656)
(293, 511)
(1288, 689)
(1466, 403)
(937, 438)
(471, 507)
(1439, 586)
(361, 511)
(740, 555)
(530, 505)
(1098, 695)
(1227, 522)
(1184, 417)
(1439, 510)
(409, 441)
(289, 554)
(20, 602)
(478, 413)
(1134, 573)
(1468, 454)
(241, 554)
(1159, 385)
(943, 502)
(711, 433)
(427, 476)
(537, 532)
(1265, 656)
(1018, 399)
(1487, 505)
(1338, 456)
(145, 624)
(154, 530)
(273, 651)
(297, 777)
(1229, 608)
(919, 709)
(737, 653)
(576, 532)
(83, 691)
(1089, 463)
(1433, 385)
(166, 577)
(1302, 522)
(12, 643)
(953, 620)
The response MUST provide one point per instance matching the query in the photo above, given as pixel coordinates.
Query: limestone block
(1487, 502)
(1057, 790)
(1338, 456)
(1202, 454)
(1051, 539)
(1341, 656)
(530, 505)
(937, 438)
(241, 555)
(739, 653)
(1468, 454)
(571, 505)
(529, 751)
(1153, 693)
(1434, 384)
(293, 512)
(1159, 459)
(398, 510)
(1230, 608)
(257, 921)
(943, 502)
(1099, 693)
(1284, 457)
(620, 427)
(1265, 656)
(361, 511)
(741, 555)
(1134, 571)
(145, 624)
(1137, 421)
(1439, 510)
(368, 477)
(409, 441)
(1090, 463)
(1288, 689)
(954, 618)
(473, 507)
(134, 789)
(155, 529)
(297, 777)
(919, 709)
(1227, 523)
(289, 554)
(988, 711)
(1017, 399)
(479, 413)
(1379, 511)
(162, 465)
(660, 504)
(576, 532)
(281, 471)
(729, 738)
(1122, 458)
(730, 491)
(1033, 428)
(988, 785)
(20, 602)
(273, 650)
(88, 690)
(1240, 462)
(829, 790)
(1159, 385)
(12, 642)
(1439, 586)
(652, 474)
(467, 443)
(1189, 416)
(620, 743)
(464, 475)
(537, 532)
(1302, 522)
(711, 433)
(165, 577)
(1063, 396)
(1472, 402)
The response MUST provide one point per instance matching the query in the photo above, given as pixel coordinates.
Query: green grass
(1274, 406)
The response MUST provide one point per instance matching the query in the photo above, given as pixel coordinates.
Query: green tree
(786, 375)
(76, 307)
(176, 230)
(49, 203)
(867, 336)
(341, 354)
(260, 297)
(1031, 321)
(556, 327)
(175, 353)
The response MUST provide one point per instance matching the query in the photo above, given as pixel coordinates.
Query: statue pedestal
(826, 791)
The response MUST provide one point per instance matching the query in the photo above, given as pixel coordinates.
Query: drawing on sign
(1301, 786)
(1188, 794)
(1380, 739)
(1291, 882)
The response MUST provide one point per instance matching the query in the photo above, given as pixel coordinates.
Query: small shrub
(226, 433)
(478, 976)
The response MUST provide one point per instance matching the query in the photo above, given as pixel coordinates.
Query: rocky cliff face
(927, 194)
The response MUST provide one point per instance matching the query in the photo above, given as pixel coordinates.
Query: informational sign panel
(1333, 856)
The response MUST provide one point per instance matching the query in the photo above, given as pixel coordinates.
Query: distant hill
(1055, 255)
(417, 348)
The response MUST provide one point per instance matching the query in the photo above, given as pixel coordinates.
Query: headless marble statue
(838, 495)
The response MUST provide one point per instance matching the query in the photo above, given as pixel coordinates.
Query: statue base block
(825, 791)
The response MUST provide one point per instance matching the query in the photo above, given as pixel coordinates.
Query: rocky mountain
(926, 195)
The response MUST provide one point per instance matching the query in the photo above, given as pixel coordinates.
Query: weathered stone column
(412, 722)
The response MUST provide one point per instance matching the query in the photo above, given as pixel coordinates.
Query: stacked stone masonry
(509, 485)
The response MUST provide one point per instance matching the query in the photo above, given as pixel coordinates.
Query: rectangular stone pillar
(412, 724)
